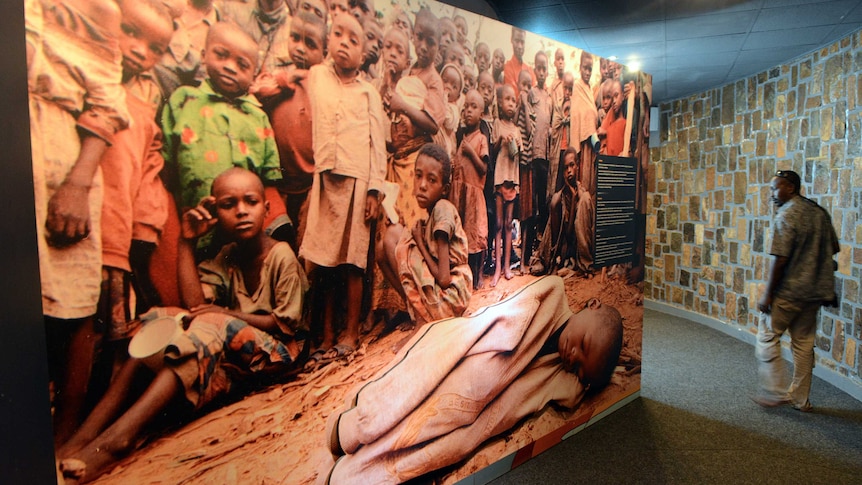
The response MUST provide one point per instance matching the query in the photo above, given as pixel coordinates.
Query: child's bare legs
(475, 262)
(388, 264)
(107, 409)
(498, 239)
(75, 378)
(119, 438)
(350, 335)
(509, 208)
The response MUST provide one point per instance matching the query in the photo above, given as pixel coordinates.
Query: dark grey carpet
(695, 424)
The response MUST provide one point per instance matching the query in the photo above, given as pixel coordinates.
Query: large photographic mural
(333, 242)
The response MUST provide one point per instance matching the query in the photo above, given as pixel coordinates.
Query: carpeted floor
(695, 424)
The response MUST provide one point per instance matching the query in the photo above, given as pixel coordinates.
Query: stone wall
(710, 214)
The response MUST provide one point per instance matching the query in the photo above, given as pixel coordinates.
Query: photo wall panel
(327, 342)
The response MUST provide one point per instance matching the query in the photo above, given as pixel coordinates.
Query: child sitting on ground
(471, 379)
(245, 309)
(428, 264)
(469, 167)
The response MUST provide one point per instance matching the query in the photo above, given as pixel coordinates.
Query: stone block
(838, 343)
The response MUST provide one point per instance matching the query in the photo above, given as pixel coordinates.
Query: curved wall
(710, 216)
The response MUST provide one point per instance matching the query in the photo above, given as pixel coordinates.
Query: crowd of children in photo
(208, 155)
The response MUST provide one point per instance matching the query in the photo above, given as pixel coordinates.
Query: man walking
(800, 281)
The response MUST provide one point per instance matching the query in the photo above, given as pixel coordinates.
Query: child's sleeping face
(230, 58)
(346, 42)
(589, 344)
(426, 39)
(428, 186)
(240, 205)
(474, 106)
(314, 7)
(452, 84)
(396, 51)
(541, 68)
(145, 37)
(305, 43)
(373, 41)
(508, 101)
(483, 57)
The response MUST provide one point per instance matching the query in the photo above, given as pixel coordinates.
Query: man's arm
(776, 274)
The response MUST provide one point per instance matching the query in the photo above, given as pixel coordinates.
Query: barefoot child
(428, 264)
(245, 310)
(469, 167)
(507, 144)
(346, 114)
(76, 108)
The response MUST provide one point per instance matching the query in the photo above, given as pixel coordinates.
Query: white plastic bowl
(150, 342)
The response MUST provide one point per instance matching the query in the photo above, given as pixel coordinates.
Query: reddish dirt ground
(277, 435)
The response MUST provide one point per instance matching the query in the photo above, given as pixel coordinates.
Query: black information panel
(616, 180)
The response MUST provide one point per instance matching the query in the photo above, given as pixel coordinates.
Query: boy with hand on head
(350, 166)
(472, 379)
(219, 125)
(371, 48)
(245, 309)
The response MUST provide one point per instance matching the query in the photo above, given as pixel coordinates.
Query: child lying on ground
(471, 379)
(245, 310)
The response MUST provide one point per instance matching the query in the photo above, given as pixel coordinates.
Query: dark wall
(26, 453)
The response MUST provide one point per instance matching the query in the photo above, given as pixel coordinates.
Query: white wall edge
(825, 373)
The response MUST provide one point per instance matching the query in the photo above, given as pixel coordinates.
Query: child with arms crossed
(428, 264)
(245, 309)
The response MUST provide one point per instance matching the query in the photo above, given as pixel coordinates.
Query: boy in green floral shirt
(218, 125)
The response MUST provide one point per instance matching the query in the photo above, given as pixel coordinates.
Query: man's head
(230, 57)
(306, 41)
(590, 344)
(785, 184)
(518, 38)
